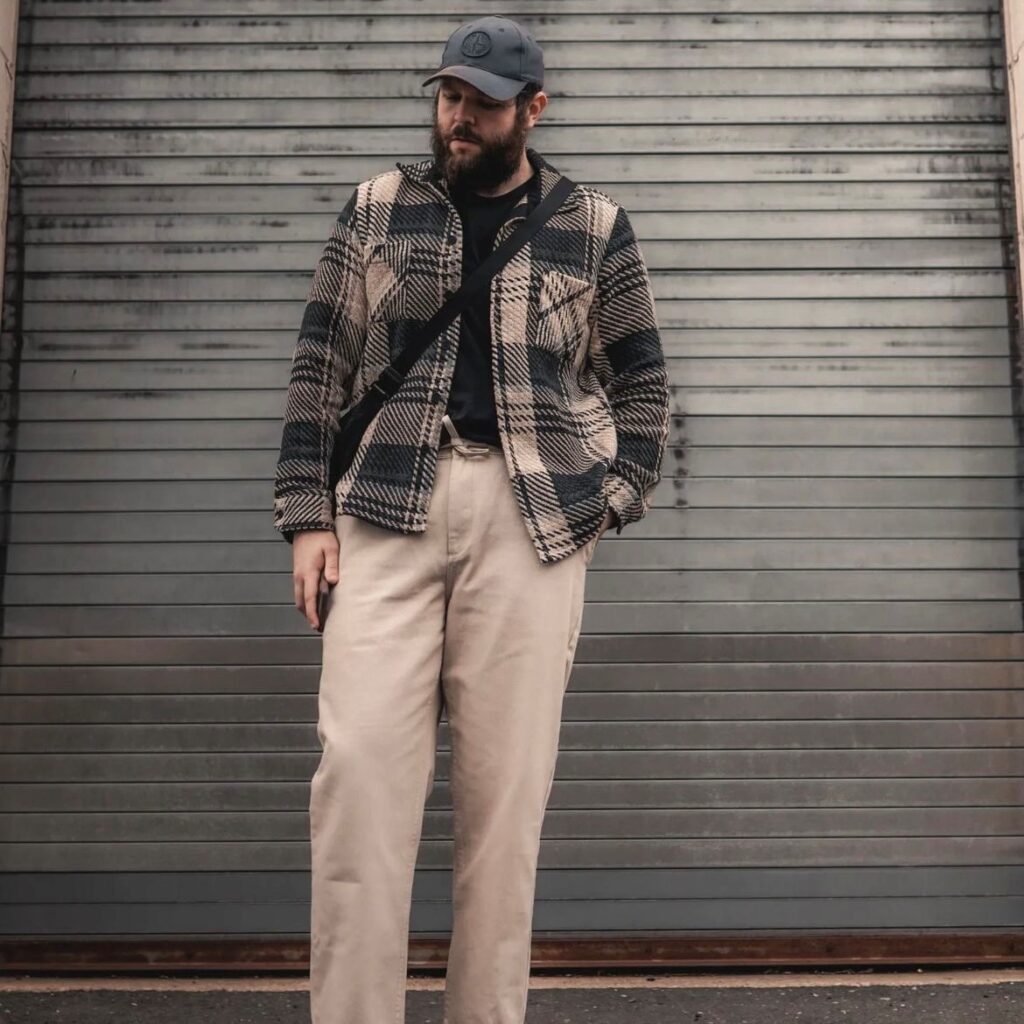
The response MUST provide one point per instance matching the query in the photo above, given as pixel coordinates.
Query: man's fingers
(331, 565)
(315, 559)
(309, 592)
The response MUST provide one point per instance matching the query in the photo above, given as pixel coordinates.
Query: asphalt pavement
(970, 997)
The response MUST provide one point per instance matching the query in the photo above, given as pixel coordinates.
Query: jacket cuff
(624, 501)
(303, 510)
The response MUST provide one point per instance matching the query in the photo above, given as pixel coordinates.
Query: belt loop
(450, 427)
(459, 443)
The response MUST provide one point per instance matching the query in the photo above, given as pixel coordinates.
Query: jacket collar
(425, 172)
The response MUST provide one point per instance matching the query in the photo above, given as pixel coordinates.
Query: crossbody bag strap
(355, 420)
(391, 379)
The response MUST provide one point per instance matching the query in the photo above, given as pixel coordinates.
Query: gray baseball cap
(495, 54)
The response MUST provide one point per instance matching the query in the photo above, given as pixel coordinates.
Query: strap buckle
(392, 381)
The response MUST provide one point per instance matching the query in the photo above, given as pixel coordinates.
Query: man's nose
(461, 113)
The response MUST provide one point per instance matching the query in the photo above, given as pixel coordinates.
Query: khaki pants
(463, 617)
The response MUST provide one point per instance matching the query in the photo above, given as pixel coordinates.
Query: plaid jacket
(579, 375)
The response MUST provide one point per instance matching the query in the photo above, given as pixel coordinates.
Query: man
(463, 527)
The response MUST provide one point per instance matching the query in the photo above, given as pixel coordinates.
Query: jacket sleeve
(626, 352)
(326, 356)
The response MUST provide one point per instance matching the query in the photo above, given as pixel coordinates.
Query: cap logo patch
(476, 44)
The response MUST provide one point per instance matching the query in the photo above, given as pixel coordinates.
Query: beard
(482, 167)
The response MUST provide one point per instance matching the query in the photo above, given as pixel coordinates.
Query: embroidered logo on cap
(476, 44)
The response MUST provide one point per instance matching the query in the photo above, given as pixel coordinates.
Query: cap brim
(495, 86)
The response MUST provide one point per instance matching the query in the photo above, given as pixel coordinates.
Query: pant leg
(512, 628)
(379, 705)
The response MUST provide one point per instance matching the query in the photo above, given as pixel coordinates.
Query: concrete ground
(855, 996)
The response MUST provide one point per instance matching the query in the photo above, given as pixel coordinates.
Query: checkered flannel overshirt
(579, 376)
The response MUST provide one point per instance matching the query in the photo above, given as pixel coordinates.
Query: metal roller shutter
(797, 703)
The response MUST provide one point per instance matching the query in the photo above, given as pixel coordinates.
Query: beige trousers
(463, 617)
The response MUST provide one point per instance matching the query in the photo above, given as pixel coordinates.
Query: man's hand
(314, 554)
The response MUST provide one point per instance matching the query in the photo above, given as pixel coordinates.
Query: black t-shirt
(471, 401)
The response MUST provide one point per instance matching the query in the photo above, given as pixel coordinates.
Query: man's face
(478, 141)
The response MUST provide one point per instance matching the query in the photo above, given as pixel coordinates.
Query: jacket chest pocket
(564, 311)
(403, 280)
